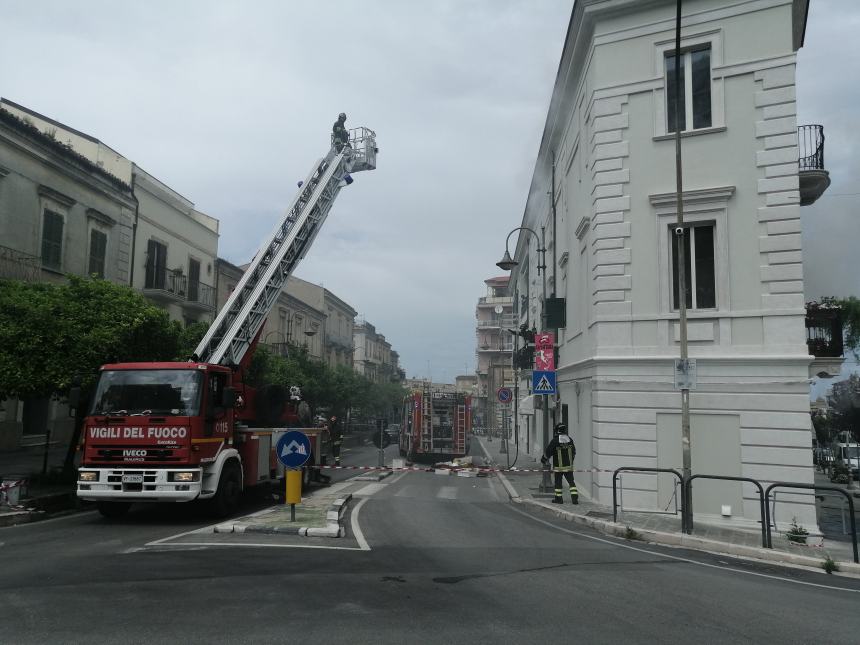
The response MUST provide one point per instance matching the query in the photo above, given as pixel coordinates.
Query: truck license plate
(132, 479)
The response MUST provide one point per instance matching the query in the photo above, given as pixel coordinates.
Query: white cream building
(609, 137)
(172, 247)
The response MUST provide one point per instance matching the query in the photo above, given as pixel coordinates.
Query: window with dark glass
(98, 250)
(694, 99)
(699, 264)
(193, 280)
(156, 265)
(52, 240)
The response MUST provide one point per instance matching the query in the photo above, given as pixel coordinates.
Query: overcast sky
(230, 103)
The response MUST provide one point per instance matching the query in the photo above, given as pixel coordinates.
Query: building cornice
(57, 196)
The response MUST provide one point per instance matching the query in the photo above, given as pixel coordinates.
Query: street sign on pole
(293, 449)
(545, 352)
(504, 394)
(543, 382)
(685, 374)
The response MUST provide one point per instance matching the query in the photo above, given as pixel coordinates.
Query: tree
(844, 402)
(52, 336)
(338, 389)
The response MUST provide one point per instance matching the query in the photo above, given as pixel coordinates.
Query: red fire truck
(437, 425)
(182, 431)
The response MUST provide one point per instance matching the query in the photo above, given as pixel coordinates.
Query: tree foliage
(335, 390)
(849, 311)
(51, 334)
(844, 403)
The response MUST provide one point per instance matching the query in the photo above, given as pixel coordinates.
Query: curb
(35, 509)
(691, 542)
(17, 517)
(680, 540)
(333, 529)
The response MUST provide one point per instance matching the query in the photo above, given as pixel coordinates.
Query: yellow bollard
(294, 487)
(294, 491)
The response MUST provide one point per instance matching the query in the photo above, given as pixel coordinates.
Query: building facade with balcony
(603, 187)
(166, 251)
(59, 214)
(292, 321)
(494, 317)
(339, 320)
(373, 357)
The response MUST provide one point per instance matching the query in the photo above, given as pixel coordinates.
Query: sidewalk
(662, 529)
(32, 495)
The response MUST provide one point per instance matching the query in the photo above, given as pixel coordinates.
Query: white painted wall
(614, 196)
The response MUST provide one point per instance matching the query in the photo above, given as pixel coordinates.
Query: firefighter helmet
(560, 428)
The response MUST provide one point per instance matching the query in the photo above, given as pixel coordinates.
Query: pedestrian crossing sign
(543, 382)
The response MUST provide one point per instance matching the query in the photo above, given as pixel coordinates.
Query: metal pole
(680, 235)
(516, 371)
(545, 482)
(381, 448)
(554, 238)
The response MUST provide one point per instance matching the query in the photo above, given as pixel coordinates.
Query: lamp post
(507, 263)
(282, 346)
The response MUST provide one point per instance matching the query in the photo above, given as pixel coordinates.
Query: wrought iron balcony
(15, 265)
(814, 179)
(201, 296)
(165, 285)
(824, 339)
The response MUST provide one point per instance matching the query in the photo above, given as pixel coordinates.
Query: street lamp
(281, 347)
(507, 263)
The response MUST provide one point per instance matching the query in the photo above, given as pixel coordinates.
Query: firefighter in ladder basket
(562, 451)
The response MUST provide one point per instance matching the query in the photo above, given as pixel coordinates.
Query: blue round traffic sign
(504, 394)
(293, 449)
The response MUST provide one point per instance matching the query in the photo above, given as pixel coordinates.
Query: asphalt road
(450, 559)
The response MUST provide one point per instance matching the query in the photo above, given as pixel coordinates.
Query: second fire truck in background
(437, 425)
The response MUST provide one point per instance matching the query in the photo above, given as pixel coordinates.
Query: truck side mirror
(228, 397)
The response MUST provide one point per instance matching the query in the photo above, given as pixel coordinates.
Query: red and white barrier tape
(486, 469)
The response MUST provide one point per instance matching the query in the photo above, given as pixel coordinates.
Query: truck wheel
(226, 499)
(113, 510)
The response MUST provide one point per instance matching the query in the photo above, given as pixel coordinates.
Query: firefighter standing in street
(336, 439)
(562, 451)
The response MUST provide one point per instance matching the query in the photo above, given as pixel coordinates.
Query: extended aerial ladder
(240, 320)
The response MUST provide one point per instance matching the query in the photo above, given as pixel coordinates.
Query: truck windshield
(139, 392)
(851, 452)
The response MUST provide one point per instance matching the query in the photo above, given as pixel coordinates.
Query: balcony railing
(810, 142)
(15, 265)
(202, 295)
(824, 331)
(169, 282)
(495, 300)
(813, 179)
(503, 321)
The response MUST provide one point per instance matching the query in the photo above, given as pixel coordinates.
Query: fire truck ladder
(240, 320)
(460, 444)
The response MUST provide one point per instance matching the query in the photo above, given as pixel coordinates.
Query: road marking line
(179, 546)
(179, 535)
(370, 489)
(447, 492)
(678, 558)
(356, 529)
